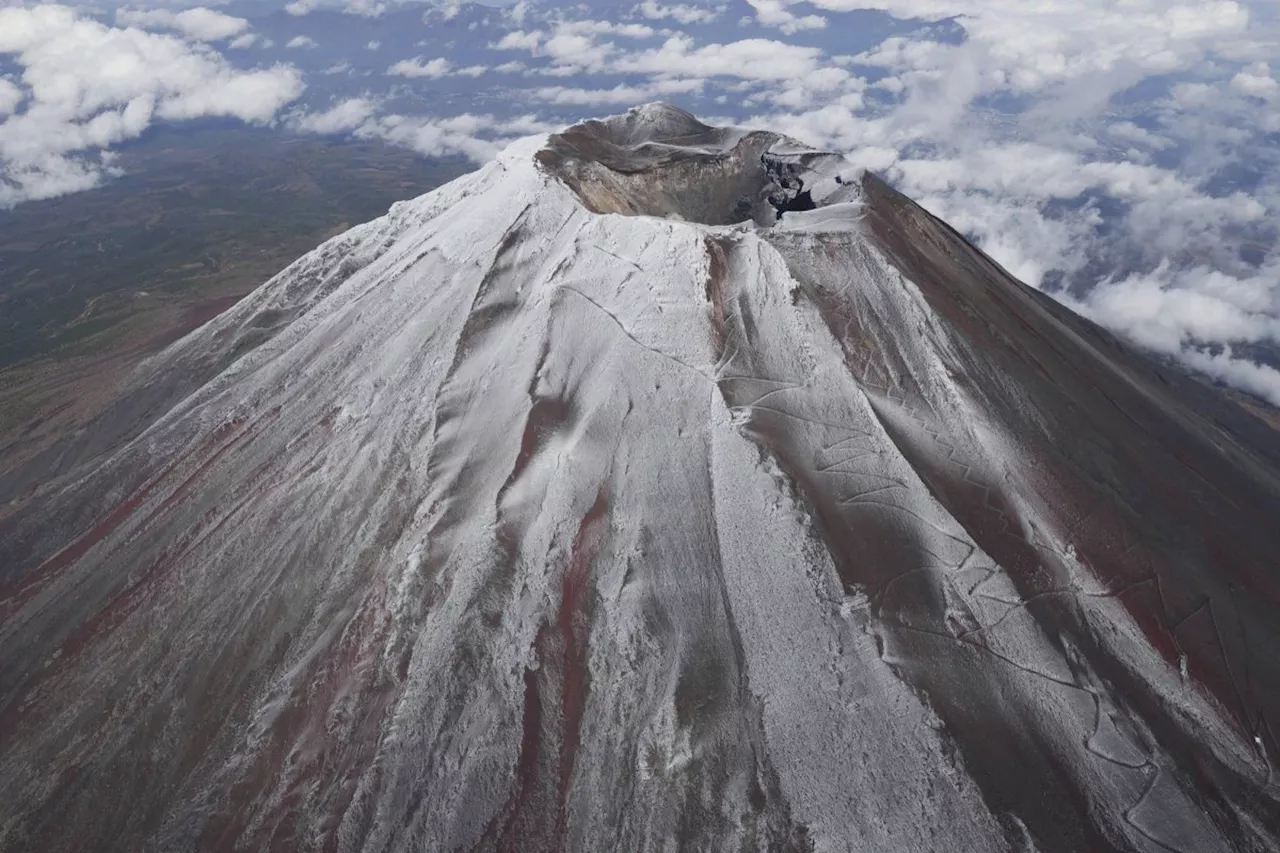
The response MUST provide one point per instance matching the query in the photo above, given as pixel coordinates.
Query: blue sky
(1119, 154)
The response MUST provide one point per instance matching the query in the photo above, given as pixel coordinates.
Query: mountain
(655, 487)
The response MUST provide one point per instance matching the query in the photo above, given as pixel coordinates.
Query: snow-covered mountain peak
(585, 504)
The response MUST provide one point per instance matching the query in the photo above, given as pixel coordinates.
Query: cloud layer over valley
(1119, 156)
(83, 86)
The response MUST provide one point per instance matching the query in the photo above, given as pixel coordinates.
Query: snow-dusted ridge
(585, 504)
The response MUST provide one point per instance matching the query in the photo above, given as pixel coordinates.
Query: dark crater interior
(658, 160)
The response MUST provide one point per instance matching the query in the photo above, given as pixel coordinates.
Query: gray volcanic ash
(655, 487)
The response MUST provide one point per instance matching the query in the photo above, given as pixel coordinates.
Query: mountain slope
(586, 504)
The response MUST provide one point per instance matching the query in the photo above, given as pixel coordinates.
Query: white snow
(398, 494)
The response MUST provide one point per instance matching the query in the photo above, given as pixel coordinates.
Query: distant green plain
(195, 211)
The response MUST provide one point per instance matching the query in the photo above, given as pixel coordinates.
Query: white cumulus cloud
(413, 68)
(199, 23)
(86, 86)
(679, 12)
(1256, 80)
(10, 96)
(777, 13)
(478, 137)
(343, 117)
(1025, 134)
(748, 59)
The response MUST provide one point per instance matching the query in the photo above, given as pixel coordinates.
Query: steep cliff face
(656, 487)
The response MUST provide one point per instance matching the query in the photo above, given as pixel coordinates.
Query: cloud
(300, 42)
(621, 95)
(1167, 309)
(1025, 46)
(366, 8)
(1027, 135)
(518, 12)
(363, 8)
(1128, 132)
(775, 13)
(477, 137)
(10, 97)
(447, 10)
(749, 59)
(680, 13)
(343, 117)
(1116, 155)
(595, 28)
(1261, 380)
(520, 40)
(1199, 316)
(574, 45)
(415, 68)
(570, 49)
(1256, 80)
(86, 87)
(199, 23)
